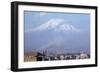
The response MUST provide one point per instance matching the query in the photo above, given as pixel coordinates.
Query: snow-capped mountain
(55, 34)
(56, 25)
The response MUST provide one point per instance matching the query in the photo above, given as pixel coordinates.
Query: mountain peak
(56, 25)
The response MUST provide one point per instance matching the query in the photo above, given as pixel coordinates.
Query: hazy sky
(67, 32)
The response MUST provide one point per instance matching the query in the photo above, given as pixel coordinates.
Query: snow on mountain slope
(56, 25)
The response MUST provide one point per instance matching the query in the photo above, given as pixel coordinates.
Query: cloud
(43, 13)
(56, 25)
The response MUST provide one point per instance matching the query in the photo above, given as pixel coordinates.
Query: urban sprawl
(47, 56)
